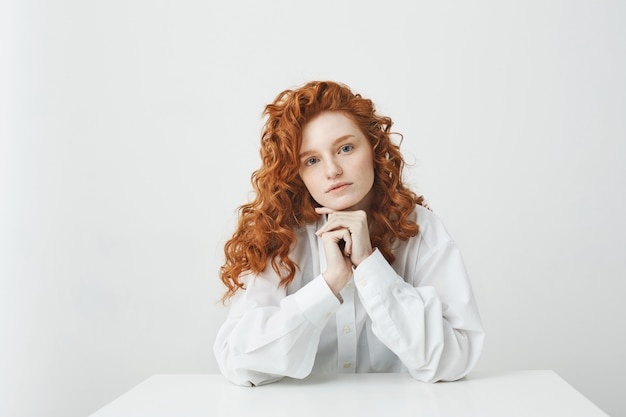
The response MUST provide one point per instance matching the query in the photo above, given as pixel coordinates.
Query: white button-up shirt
(417, 315)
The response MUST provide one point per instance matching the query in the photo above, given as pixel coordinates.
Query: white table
(523, 393)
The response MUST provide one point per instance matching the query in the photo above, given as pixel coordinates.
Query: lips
(338, 186)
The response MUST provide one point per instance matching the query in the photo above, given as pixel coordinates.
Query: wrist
(336, 283)
(356, 261)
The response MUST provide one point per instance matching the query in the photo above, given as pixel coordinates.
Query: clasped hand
(349, 227)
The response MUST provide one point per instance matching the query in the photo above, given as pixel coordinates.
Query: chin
(345, 207)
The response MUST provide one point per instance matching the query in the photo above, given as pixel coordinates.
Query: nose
(332, 168)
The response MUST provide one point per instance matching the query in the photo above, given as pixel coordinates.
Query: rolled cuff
(316, 301)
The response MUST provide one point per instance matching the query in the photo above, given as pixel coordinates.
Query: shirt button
(363, 282)
(328, 315)
(346, 329)
(347, 365)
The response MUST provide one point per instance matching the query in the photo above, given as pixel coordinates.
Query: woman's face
(337, 162)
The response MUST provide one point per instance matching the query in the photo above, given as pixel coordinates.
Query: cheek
(367, 166)
(309, 182)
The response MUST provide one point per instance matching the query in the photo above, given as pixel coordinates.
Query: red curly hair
(265, 230)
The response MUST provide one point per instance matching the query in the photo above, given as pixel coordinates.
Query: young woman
(336, 266)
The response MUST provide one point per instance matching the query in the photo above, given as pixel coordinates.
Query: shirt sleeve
(434, 327)
(268, 334)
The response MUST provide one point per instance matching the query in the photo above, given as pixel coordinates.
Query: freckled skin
(337, 167)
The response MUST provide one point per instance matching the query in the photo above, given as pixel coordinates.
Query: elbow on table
(246, 370)
(451, 360)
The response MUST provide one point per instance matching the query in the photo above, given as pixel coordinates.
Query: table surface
(512, 394)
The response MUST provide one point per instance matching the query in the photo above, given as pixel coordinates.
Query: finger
(343, 240)
(347, 249)
(323, 210)
(337, 220)
(329, 226)
(336, 235)
(335, 256)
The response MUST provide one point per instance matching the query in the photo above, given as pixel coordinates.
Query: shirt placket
(346, 330)
(345, 321)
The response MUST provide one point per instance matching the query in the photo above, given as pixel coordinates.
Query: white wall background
(129, 131)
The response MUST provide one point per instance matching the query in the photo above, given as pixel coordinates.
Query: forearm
(262, 343)
(435, 341)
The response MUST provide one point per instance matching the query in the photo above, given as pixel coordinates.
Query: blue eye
(346, 148)
(310, 161)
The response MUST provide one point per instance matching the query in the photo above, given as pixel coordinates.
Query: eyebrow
(335, 142)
